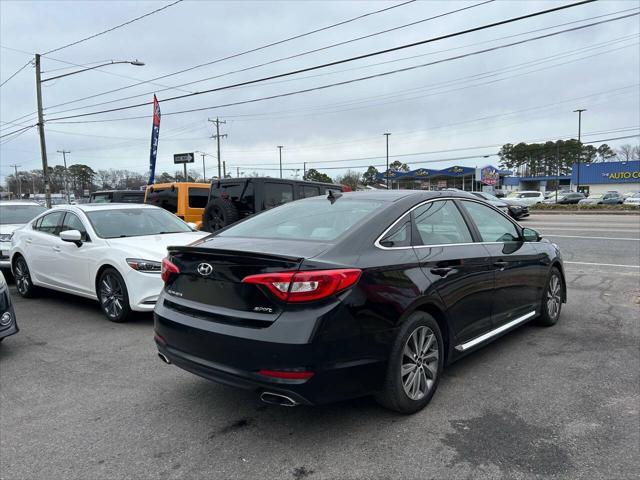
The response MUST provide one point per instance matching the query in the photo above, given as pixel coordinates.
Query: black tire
(551, 303)
(218, 214)
(113, 296)
(22, 276)
(394, 395)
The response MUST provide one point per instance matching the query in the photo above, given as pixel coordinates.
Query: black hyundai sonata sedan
(329, 298)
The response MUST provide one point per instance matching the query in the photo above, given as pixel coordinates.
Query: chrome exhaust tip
(278, 399)
(164, 358)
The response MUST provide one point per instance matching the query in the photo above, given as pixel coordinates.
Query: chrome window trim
(481, 202)
(492, 333)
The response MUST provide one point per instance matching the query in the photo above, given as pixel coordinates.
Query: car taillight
(306, 286)
(167, 269)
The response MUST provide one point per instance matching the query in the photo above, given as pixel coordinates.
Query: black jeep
(233, 199)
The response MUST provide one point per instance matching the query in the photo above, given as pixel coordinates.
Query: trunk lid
(210, 284)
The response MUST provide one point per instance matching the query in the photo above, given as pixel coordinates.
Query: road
(82, 398)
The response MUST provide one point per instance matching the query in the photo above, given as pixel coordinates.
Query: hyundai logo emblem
(205, 269)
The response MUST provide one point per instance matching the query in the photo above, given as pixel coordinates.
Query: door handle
(442, 271)
(501, 264)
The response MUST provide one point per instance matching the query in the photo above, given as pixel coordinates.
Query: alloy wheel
(111, 295)
(22, 277)
(419, 366)
(554, 297)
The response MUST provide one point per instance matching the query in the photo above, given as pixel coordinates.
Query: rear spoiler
(225, 252)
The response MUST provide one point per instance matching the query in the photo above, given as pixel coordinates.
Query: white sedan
(14, 214)
(108, 252)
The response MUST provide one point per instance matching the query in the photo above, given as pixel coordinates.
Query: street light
(43, 144)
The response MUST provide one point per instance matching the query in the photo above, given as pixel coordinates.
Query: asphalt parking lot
(84, 398)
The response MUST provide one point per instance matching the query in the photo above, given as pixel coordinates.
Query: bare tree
(628, 152)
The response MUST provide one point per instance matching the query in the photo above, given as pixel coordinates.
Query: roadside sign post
(183, 158)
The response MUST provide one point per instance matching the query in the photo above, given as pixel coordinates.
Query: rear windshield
(312, 219)
(19, 214)
(134, 222)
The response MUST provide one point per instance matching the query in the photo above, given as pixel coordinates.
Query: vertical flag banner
(155, 133)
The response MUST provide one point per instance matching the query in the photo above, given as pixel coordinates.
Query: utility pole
(280, 152)
(304, 170)
(579, 112)
(66, 183)
(43, 144)
(224, 169)
(204, 172)
(237, 172)
(18, 182)
(217, 136)
(387, 172)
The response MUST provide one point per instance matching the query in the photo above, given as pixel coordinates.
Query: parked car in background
(515, 208)
(233, 199)
(552, 193)
(633, 200)
(117, 196)
(187, 200)
(567, 198)
(108, 252)
(528, 197)
(612, 198)
(14, 214)
(351, 294)
(8, 324)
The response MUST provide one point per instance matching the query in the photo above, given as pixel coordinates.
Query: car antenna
(332, 197)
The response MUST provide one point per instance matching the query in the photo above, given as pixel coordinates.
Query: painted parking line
(602, 264)
(591, 238)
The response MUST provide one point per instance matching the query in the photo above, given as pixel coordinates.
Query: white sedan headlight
(147, 266)
(6, 237)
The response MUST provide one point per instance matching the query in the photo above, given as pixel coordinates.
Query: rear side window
(440, 223)
(50, 223)
(399, 235)
(101, 198)
(309, 191)
(166, 198)
(276, 194)
(198, 197)
(313, 219)
(531, 195)
(493, 227)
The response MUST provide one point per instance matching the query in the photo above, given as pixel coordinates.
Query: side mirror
(73, 236)
(192, 225)
(530, 235)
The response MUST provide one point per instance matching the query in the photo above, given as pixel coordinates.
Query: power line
(358, 57)
(322, 110)
(432, 86)
(271, 62)
(235, 55)
(17, 72)
(469, 157)
(112, 28)
(321, 87)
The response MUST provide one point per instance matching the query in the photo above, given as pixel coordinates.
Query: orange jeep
(185, 199)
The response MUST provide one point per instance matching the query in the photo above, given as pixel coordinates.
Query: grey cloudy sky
(521, 93)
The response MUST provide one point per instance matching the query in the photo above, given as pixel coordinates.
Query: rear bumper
(224, 355)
